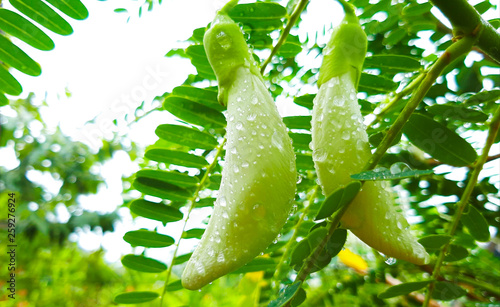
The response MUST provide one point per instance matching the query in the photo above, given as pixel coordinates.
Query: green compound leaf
(179, 179)
(135, 297)
(155, 211)
(455, 253)
(285, 295)
(298, 122)
(454, 112)
(3, 100)
(147, 238)
(161, 189)
(12, 55)
(338, 199)
(439, 141)
(305, 101)
(476, 224)
(9, 84)
(181, 259)
(204, 96)
(73, 8)
(175, 286)
(256, 265)
(304, 162)
(300, 140)
(17, 26)
(190, 137)
(193, 233)
(194, 113)
(395, 36)
(175, 157)
(434, 242)
(375, 84)
(447, 291)
(44, 15)
(199, 60)
(403, 289)
(483, 97)
(143, 264)
(393, 62)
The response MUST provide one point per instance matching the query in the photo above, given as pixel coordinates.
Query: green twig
(291, 22)
(397, 97)
(464, 200)
(191, 207)
(288, 246)
(456, 50)
(466, 20)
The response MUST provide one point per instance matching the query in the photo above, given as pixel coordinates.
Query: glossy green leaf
(193, 233)
(403, 289)
(300, 252)
(12, 55)
(205, 202)
(374, 84)
(259, 10)
(155, 211)
(3, 100)
(256, 265)
(285, 295)
(8, 84)
(483, 97)
(476, 224)
(417, 9)
(194, 113)
(305, 101)
(336, 242)
(175, 157)
(434, 242)
(190, 137)
(439, 141)
(200, 61)
(456, 253)
(147, 238)
(175, 286)
(73, 8)
(214, 181)
(393, 62)
(300, 140)
(455, 112)
(179, 179)
(161, 189)
(181, 259)
(289, 50)
(389, 175)
(447, 291)
(204, 96)
(482, 7)
(44, 15)
(304, 162)
(143, 264)
(298, 122)
(338, 199)
(135, 297)
(394, 37)
(17, 26)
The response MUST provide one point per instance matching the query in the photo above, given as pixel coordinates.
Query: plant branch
(191, 206)
(279, 268)
(466, 21)
(397, 97)
(464, 200)
(457, 49)
(291, 22)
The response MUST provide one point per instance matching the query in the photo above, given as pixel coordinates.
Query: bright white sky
(110, 66)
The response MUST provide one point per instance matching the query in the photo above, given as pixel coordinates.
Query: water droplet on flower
(239, 126)
(221, 258)
(224, 40)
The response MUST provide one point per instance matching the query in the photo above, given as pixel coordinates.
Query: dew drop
(222, 201)
(239, 126)
(390, 261)
(346, 135)
(225, 215)
(244, 164)
(251, 116)
(221, 258)
(255, 100)
(320, 155)
(224, 40)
